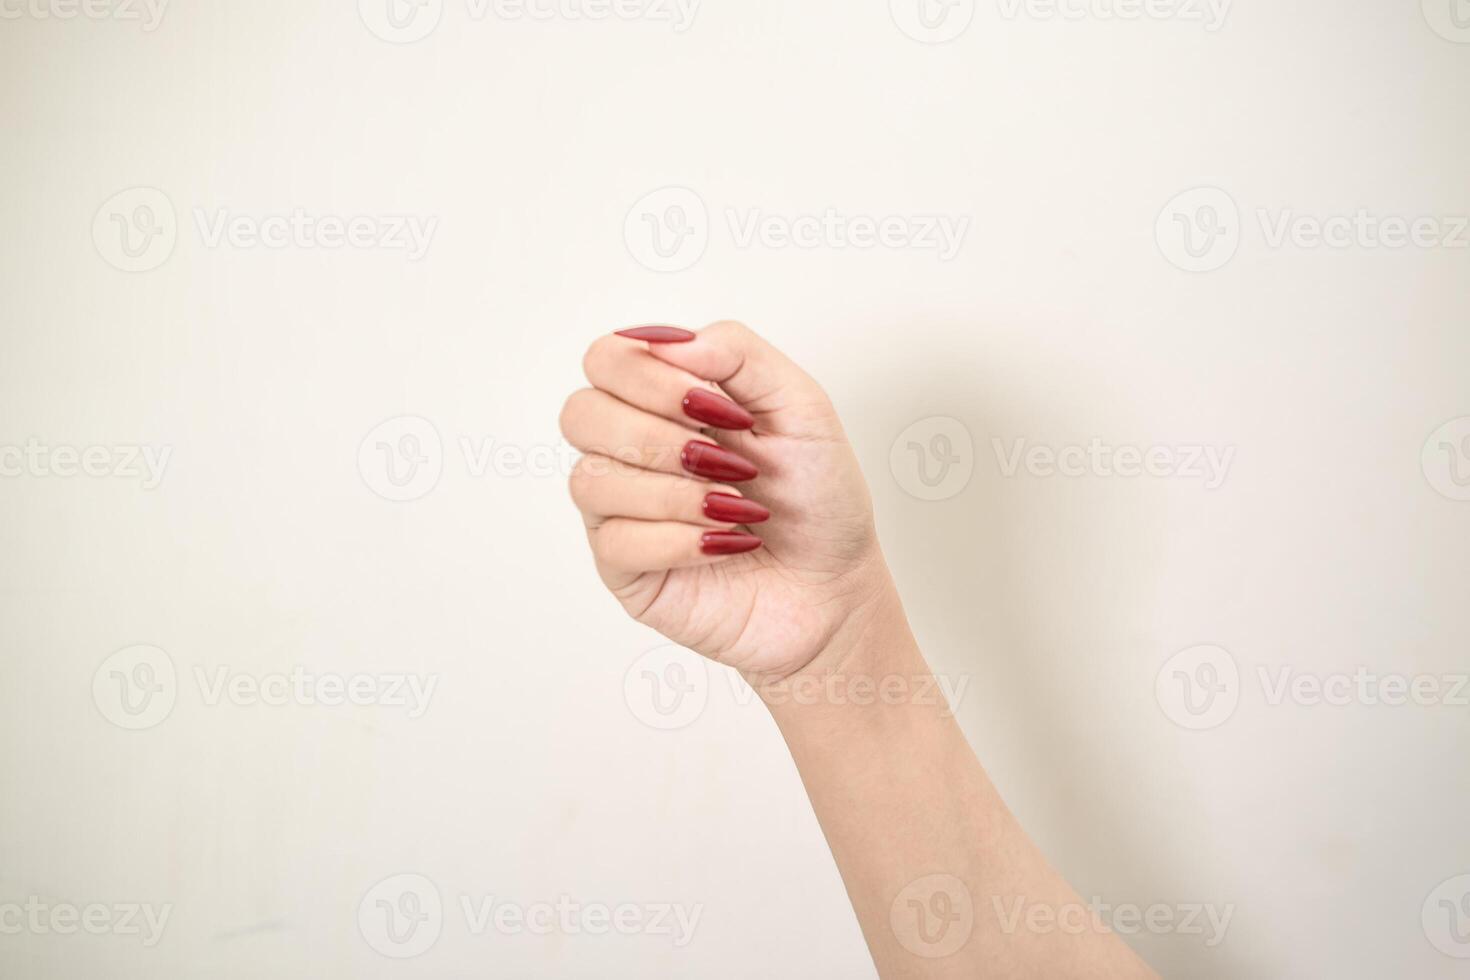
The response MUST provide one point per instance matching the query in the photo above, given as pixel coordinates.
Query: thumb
(784, 399)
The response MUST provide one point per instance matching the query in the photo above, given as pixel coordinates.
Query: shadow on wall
(1038, 594)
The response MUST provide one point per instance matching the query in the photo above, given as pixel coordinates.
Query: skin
(943, 880)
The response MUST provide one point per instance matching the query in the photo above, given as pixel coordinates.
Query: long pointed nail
(716, 410)
(716, 463)
(728, 543)
(658, 334)
(729, 509)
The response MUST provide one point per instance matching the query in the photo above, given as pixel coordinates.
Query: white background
(1058, 599)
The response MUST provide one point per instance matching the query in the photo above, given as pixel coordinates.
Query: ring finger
(603, 488)
(595, 422)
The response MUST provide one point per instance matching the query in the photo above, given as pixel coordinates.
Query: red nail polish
(728, 543)
(716, 410)
(716, 463)
(734, 510)
(658, 335)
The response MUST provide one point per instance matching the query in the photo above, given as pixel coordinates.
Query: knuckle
(732, 329)
(607, 541)
(678, 497)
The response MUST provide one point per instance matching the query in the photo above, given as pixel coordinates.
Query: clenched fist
(724, 506)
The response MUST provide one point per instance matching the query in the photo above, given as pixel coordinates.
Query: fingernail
(658, 335)
(734, 510)
(728, 543)
(716, 410)
(716, 463)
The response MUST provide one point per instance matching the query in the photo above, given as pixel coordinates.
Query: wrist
(871, 659)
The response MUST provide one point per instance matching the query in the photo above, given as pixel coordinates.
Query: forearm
(937, 869)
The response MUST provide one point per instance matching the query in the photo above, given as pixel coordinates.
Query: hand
(762, 577)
